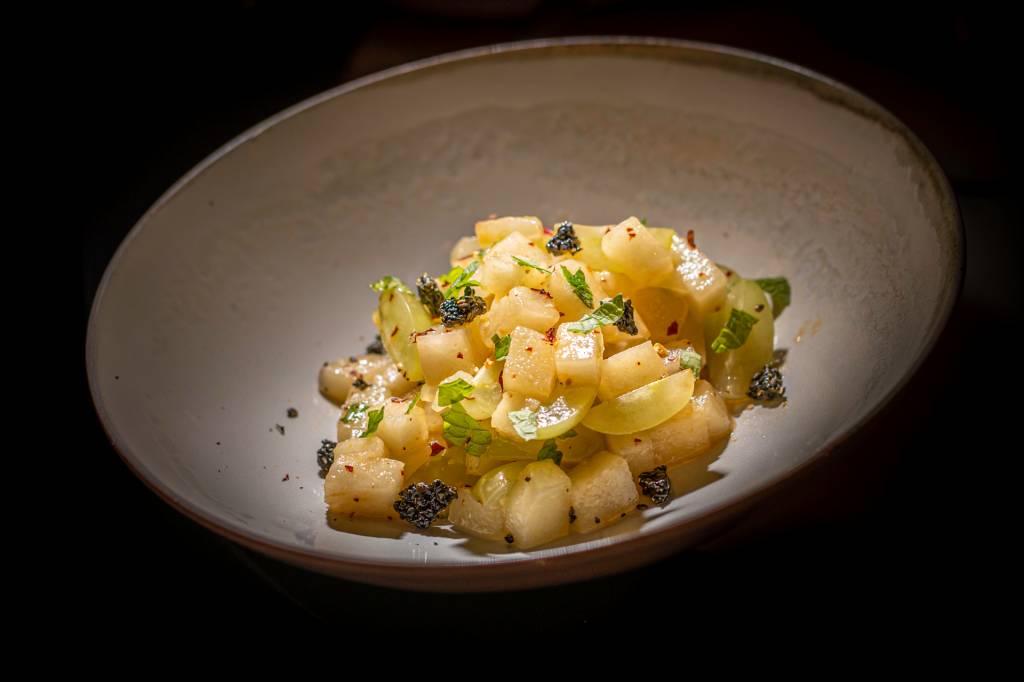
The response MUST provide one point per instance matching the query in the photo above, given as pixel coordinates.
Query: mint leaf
(353, 412)
(569, 434)
(501, 346)
(530, 264)
(462, 430)
(778, 289)
(578, 282)
(460, 278)
(389, 282)
(452, 392)
(550, 451)
(735, 332)
(374, 418)
(609, 312)
(524, 421)
(691, 359)
(412, 404)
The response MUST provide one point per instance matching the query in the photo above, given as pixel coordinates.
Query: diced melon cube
(361, 482)
(696, 277)
(530, 365)
(443, 353)
(500, 422)
(633, 251)
(353, 417)
(463, 251)
(590, 241)
(578, 357)
(602, 491)
(577, 448)
(537, 506)
(522, 307)
(709, 404)
(499, 272)
(664, 312)
(405, 433)
(492, 231)
(637, 449)
(565, 298)
(630, 369)
(681, 438)
(467, 514)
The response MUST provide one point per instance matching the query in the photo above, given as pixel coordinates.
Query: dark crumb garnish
(641, 506)
(280, 429)
(565, 240)
(509, 539)
(766, 385)
(421, 503)
(377, 347)
(292, 413)
(779, 357)
(627, 323)
(325, 456)
(286, 477)
(360, 384)
(572, 515)
(458, 311)
(656, 484)
(430, 294)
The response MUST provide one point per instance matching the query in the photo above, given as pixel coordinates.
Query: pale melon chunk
(405, 433)
(663, 311)
(522, 307)
(500, 271)
(590, 241)
(443, 353)
(602, 491)
(336, 378)
(633, 251)
(530, 365)
(463, 251)
(629, 370)
(467, 514)
(708, 404)
(537, 506)
(697, 277)
(492, 231)
(361, 482)
(578, 357)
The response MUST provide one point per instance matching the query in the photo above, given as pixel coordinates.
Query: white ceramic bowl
(219, 307)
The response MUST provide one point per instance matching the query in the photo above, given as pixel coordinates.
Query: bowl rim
(516, 571)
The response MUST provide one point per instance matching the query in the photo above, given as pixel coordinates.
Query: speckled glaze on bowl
(218, 308)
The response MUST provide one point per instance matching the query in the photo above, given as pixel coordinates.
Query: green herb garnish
(524, 421)
(691, 359)
(550, 451)
(578, 282)
(609, 312)
(778, 289)
(452, 392)
(415, 400)
(735, 332)
(530, 264)
(353, 412)
(460, 278)
(373, 420)
(569, 434)
(501, 346)
(461, 429)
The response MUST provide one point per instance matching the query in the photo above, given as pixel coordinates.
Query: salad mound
(548, 381)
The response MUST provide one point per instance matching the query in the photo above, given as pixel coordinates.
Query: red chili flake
(530, 243)
(759, 307)
(689, 239)
(542, 292)
(459, 356)
(673, 329)
(285, 478)
(561, 314)
(397, 400)
(394, 331)
(728, 273)
(436, 448)
(391, 296)
(568, 381)
(637, 441)
(607, 230)
(702, 275)
(550, 335)
(348, 468)
(501, 379)
(529, 349)
(548, 231)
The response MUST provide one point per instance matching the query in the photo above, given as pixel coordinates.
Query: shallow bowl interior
(218, 309)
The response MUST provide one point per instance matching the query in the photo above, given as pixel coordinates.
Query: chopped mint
(374, 418)
(452, 392)
(778, 289)
(501, 346)
(609, 312)
(550, 451)
(735, 332)
(530, 264)
(691, 359)
(578, 282)
(462, 430)
(524, 421)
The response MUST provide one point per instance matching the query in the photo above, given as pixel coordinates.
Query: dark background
(900, 526)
